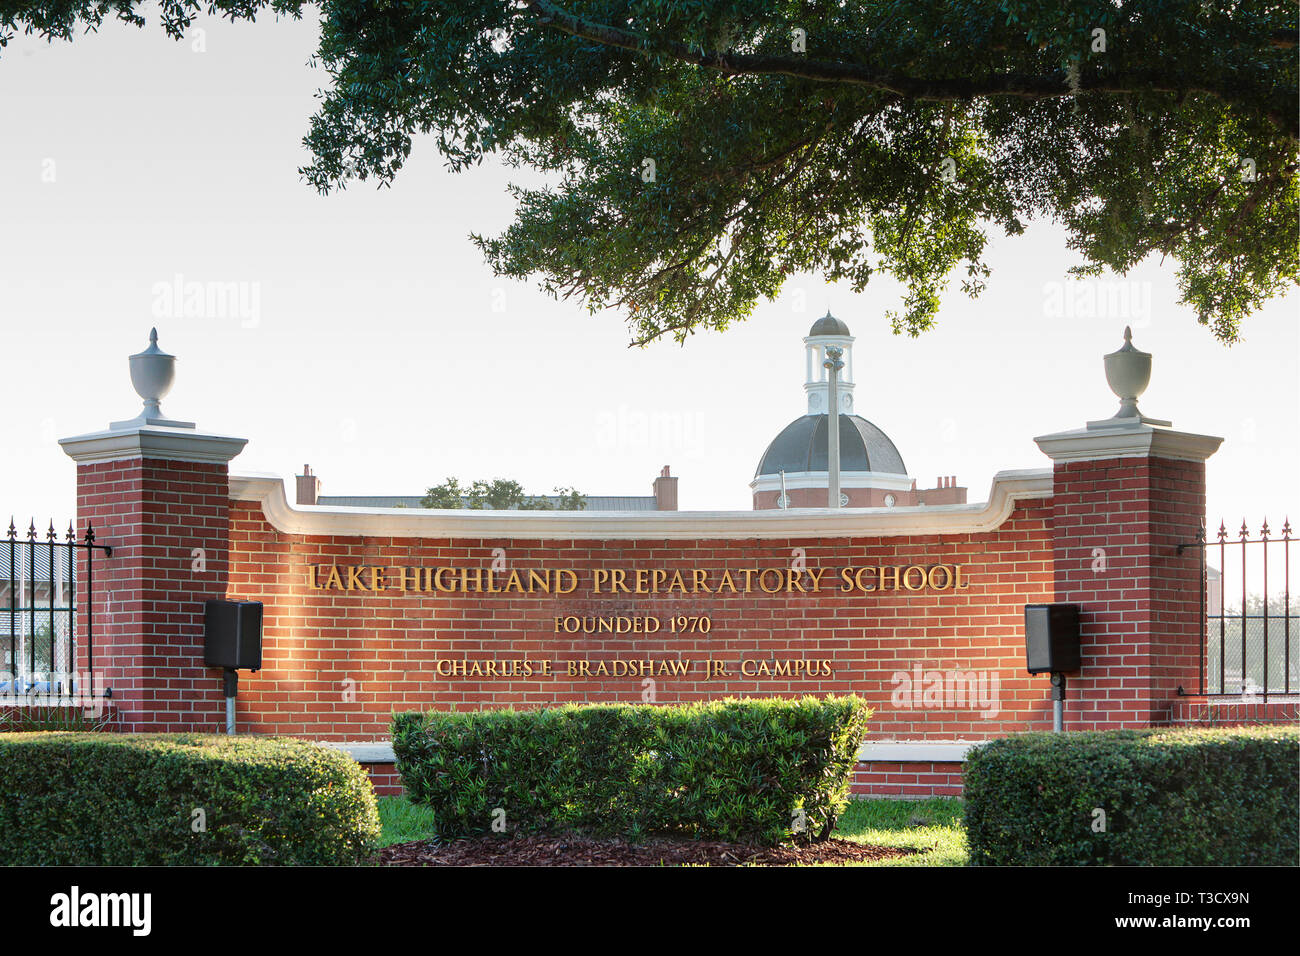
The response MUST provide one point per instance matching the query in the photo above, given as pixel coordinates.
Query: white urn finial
(153, 372)
(1128, 373)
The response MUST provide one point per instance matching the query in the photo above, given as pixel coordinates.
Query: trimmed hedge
(117, 799)
(1191, 797)
(752, 770)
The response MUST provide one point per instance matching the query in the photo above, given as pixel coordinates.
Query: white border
(1008, 487)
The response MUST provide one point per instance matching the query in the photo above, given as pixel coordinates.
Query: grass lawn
(932, 826)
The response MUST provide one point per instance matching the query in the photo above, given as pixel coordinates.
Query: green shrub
(116, 799)
(751, 770)
(1170, 797)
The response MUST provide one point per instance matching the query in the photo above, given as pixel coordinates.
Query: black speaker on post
(1051, 638)
(232, 636)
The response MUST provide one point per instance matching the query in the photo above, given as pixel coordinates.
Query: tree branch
(1032, 86)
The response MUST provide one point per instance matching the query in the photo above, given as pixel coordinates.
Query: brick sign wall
(340, 659)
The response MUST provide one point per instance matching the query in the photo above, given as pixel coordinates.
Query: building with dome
(793, 470)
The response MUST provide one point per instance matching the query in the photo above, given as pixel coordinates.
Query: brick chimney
(665, 491)
(308, 487)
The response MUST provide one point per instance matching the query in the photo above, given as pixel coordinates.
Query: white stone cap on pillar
(1139, 440)
(151, 434)
(152, 441)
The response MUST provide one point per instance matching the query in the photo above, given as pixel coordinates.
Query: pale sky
(374, 342)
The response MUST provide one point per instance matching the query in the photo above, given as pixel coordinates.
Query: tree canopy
(500, 494)
(696, 153)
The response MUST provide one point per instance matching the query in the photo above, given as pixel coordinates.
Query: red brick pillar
(159, 496)
(1124, 498)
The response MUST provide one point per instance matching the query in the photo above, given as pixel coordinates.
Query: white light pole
(833, 363)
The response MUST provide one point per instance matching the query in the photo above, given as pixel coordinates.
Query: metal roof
(801, 446)
(828, 325)
(28, 559)
(594, 502)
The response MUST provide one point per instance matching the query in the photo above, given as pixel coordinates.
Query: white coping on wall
(905, 751)
(1008, 487)
(948, 751)
(364, 752)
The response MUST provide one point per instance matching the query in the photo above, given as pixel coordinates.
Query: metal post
(833, 363)
(1058, 703)
(230, 687)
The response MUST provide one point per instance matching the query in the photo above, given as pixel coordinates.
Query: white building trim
(848, 479)
(1008, 488)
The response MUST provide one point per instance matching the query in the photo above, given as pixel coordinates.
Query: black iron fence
(1250, 626)
(44, 653)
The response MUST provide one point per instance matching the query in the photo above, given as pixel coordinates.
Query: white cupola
(827, 331)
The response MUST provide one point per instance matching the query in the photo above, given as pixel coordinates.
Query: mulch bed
(583, 851)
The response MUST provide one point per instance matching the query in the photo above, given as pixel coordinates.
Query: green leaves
(834, 160)
(1188, 797)
(499, 494)
(752, 770)
(98, 799)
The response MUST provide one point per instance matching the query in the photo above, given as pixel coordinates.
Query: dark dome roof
(829, 325)
(801, 446)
